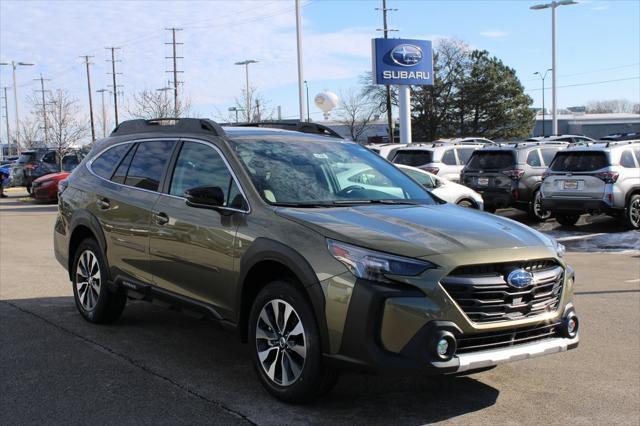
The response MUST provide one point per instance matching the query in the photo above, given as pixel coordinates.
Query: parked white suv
(598, 178)
(385, 150)
(439, 158)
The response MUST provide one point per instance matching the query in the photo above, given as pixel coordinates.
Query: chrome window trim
(177, 139)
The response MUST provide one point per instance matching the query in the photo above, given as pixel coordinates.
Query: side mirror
(205, 197)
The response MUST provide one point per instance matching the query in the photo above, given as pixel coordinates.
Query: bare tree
(67, 127)
(259, 108)
(356, 111)
(610, 106)
(150, 104)
(30, 133)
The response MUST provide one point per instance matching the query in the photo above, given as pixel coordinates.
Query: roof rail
(188, 125)
(614, 143)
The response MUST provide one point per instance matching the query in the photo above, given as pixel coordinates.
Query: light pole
(308, 114)
(299, 54)
(14, 65)
(553, 5)
(246, 63)
(542, 77)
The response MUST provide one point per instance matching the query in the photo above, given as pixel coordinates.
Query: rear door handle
(103, 203)
(160, 218)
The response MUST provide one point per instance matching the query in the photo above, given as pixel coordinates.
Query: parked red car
(45, 188)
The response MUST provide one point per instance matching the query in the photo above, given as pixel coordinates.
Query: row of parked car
(40, 171)
(565, 176)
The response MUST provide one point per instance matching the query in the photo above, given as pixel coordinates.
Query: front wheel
(632, 212)
(536, 211)
(467, 204)
(286, 344)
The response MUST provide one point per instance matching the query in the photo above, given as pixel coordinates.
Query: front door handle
(103, 203)
(160, 218)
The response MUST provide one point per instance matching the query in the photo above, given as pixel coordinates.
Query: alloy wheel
(634, 212)
(280, 342)
(538, 210)
(88, 281)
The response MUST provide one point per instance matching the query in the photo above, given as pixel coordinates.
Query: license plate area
(570, 184)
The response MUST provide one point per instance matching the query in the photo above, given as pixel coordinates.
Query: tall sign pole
(403, 63)
(300, 71)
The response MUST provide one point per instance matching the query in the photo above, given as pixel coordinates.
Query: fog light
(443, 347)
(571, 326)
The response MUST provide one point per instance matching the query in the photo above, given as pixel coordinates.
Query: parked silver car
(598, 178)
(444, 159)
(445, 189)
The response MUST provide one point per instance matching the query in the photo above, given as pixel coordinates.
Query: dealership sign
(402, 61)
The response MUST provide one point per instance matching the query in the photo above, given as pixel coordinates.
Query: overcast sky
(598, 41)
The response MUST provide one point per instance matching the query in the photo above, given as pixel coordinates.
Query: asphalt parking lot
(156, 366)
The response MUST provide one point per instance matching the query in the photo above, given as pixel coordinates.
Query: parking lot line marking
(580, 237)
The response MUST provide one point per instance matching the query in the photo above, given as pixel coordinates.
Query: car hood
(53, 176)
(417, 231)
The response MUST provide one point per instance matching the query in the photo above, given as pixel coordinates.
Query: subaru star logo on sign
(402, 61)
(519, 278)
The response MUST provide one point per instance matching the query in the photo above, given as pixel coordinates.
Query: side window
(49, 157)
(533, 158)
(201, 165)
(422, 178)
(103, 165)
(148, 164)
(449, 158)
(626, 159)
(120, 174)
(547, 155)
(464, 154)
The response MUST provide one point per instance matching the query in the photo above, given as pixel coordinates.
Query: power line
(590, 72)
(590, 83)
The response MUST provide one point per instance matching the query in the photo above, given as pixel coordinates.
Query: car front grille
(484, 295)
(506, 338)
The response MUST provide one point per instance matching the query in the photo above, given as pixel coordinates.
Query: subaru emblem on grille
(519, 278)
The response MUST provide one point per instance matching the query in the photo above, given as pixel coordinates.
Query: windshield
(413, 158)
(491, 160)
(69, 162)
(578, 161)
(313, 172)
(27, 157)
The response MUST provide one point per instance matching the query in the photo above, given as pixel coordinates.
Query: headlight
(374, 265)
(560, 249)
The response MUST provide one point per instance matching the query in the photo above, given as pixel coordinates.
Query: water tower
(326, 101)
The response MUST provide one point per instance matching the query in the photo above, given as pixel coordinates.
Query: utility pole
(385, 31)
(257, 110)
(175, 68)
(14, 65)
(6, 121)
(44, 108)
(93, 129)
(115, 86)
(104, 113)
(300, 71)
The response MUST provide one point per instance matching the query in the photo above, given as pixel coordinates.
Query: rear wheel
(286, 344)
(95, 302)
(567, 219)
(632, 212)
(536, 211)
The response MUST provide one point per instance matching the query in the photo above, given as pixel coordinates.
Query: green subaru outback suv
(267, 232)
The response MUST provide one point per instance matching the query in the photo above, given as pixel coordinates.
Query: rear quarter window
(104, 164)
(579, 161)
(413, 157)
(491, 160)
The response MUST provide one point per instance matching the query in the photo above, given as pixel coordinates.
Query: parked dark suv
(510, 175)
(253, 228)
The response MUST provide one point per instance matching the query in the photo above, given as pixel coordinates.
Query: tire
(631, 218)
(95, 302)
(286, 352)
(565, 219)
(536, 211)
(465, 202)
